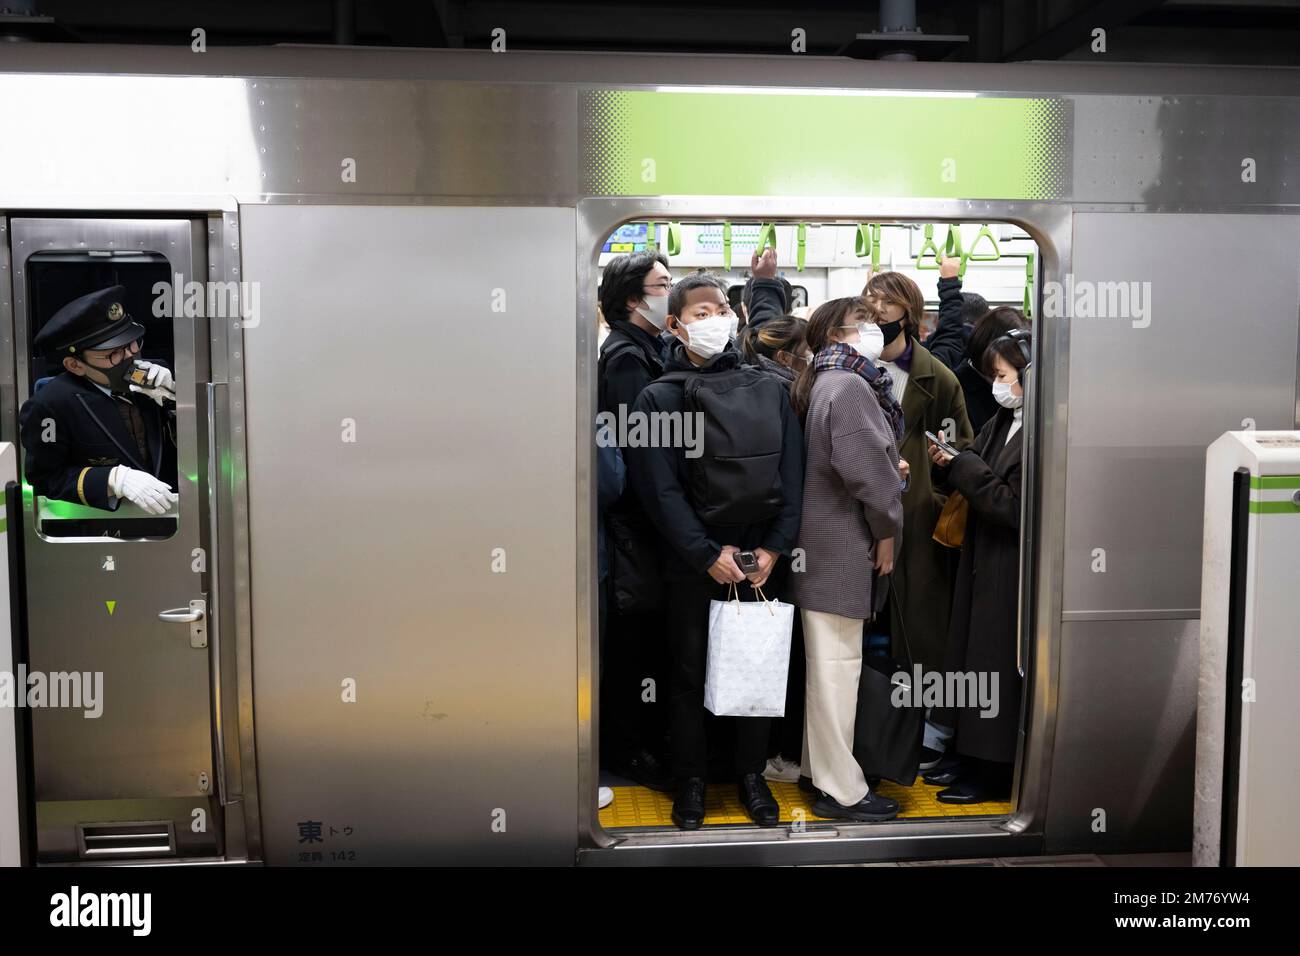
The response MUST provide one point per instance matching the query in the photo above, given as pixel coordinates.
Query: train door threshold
(818, 842)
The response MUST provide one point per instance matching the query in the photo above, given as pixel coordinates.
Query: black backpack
(737, 477)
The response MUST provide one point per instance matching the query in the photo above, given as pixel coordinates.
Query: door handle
(195, 616)
(181, 615)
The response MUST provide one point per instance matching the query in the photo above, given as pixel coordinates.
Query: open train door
(118, 601)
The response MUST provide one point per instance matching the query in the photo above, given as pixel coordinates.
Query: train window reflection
(98, 424)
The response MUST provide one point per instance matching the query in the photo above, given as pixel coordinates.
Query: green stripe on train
(1275, 481)
(706, 143)
(1274, 508)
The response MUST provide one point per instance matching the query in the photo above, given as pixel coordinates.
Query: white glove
(141, 488)
(159, 384)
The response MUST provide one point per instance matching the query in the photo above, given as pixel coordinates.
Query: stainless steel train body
(386, 473)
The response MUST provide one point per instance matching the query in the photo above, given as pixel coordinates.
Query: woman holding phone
(852, 514)
(982, 636)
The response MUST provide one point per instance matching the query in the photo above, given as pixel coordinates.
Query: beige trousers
(833, 647)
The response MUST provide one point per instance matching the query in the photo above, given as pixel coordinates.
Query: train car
(366, 632)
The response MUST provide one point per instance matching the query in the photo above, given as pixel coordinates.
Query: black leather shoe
(942, 778)
(757, 800)
(643, 768)
(870, 809)
(972, 791)
(947, 772)
(688, 808)
(806, 785)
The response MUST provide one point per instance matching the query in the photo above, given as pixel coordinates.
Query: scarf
(839, 355)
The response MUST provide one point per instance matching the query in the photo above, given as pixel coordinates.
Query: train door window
(105, 429)
(798, 297)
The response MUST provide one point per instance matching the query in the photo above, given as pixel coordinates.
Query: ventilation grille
(155, 838)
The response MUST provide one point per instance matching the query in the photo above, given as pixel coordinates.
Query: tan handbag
(950, 529)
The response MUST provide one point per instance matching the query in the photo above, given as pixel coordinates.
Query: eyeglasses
(117, 355)
(664, 287)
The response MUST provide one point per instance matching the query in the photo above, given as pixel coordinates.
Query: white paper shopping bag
(749, 657)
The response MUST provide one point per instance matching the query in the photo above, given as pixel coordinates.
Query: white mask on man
(1002, 395)
(655, 310)
(708, 337)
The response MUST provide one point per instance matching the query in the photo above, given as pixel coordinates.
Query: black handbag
(887, 739)
(634, 562)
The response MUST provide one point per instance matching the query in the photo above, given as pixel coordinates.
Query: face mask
(116, 374)
(871, 343)
(655, 310)
(1002, 395)
(735, 324)
(708, 337)
(891, 330)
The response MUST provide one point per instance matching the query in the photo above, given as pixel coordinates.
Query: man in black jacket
(634, 301)
(699, 558)
(92, 434)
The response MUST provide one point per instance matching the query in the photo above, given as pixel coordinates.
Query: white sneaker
(604, 797)
(780, 769)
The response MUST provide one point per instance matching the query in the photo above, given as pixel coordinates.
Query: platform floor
(639, 807)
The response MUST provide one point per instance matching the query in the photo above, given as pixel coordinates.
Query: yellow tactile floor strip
(641, 807)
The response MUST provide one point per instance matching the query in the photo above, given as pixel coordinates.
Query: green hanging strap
(674, 238)
(928, 246)
(801, 245)
(952, 245)
(875, 248)
(973, 256)
(650, 241)
(1029, 282)
(766, 237)
(993, 256)
(862, 241)
(726, 247)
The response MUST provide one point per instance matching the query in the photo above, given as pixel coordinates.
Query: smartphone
(747, 561)
(942, 445)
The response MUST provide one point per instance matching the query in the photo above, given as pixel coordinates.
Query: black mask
(116, 374)
(891, 330)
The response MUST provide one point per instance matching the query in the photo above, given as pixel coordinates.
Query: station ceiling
(1252, 32)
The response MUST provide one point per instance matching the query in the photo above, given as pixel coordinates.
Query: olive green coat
(924, 570)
